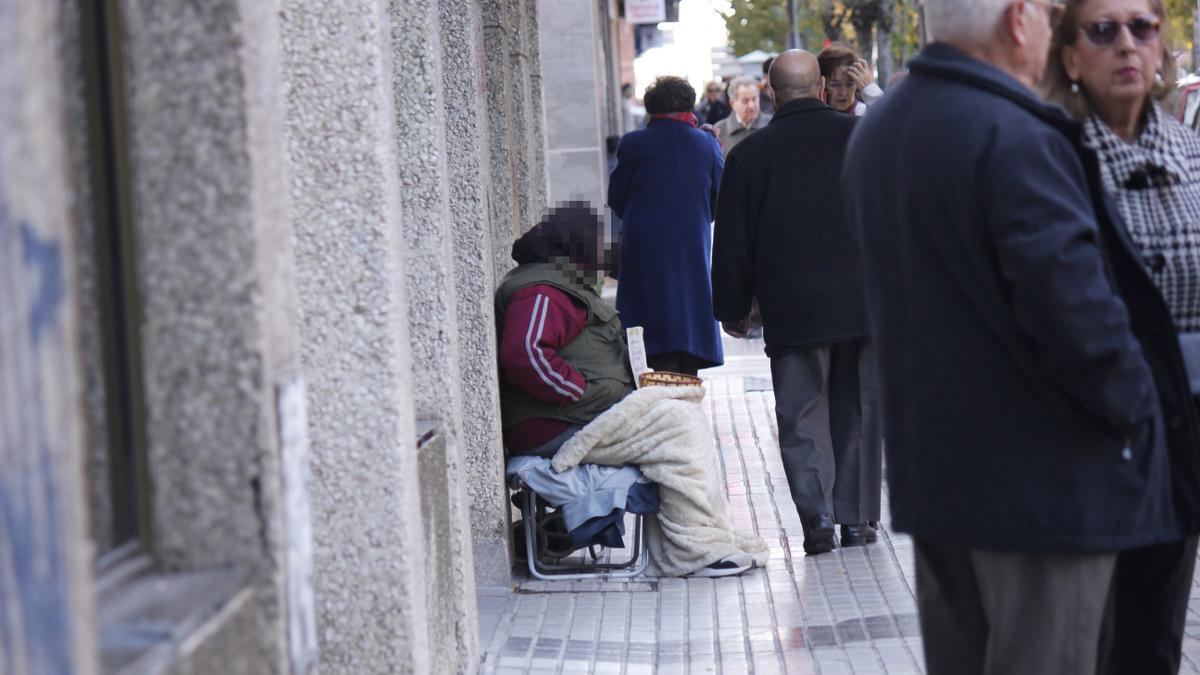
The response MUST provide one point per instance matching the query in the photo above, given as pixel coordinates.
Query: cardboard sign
(637, 352)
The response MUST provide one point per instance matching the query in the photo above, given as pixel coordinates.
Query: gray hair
(739, 82)
(963, 21)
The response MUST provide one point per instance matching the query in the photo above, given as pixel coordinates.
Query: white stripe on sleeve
(538, 308)
(545, 362)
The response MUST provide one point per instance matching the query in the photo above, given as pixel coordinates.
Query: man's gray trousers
(830, 429)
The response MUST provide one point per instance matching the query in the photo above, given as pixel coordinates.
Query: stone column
(539, 179)
(516, 120)
(463, 83)
(430, 266)
(573, 75)
(46, 606)
(215, 284)
(499, 44)
(370, 573)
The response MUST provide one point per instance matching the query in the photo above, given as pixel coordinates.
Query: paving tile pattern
(849, 611)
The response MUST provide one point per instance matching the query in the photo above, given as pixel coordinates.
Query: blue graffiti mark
(33, 574)
(44, 257)
(29, 513)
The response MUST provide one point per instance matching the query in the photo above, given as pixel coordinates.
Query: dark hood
(573, 231)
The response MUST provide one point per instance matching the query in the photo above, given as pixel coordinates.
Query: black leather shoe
(819, 534)
(859, 534)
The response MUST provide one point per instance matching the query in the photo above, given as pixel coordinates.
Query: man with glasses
(713, 108)
(1025, 435)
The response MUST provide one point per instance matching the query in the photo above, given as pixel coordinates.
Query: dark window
(107, 152)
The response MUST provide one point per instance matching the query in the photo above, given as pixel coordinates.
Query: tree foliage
(1179, 24)
(763, 24)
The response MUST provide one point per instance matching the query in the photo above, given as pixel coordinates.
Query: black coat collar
(797, 106)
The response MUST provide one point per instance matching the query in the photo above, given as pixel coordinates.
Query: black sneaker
(722, 568)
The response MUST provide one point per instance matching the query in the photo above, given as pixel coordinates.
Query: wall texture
(369, 554)
(420, 134)
(573, 76)
(218, 313)
(323, 198)
(46, 607)
(463, 87)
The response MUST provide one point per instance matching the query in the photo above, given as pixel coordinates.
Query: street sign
(645, 11)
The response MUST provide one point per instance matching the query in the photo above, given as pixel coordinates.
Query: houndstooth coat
(1155, 183)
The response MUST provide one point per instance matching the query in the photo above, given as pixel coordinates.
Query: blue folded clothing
(593, 498)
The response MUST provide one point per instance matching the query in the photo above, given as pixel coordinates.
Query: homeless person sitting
(576, 430)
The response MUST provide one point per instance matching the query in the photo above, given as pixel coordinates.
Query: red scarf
(685, 117)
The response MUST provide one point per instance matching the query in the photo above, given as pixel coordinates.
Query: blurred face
(712, 92)
(745, 104)
(841, 91)
(1118, 52)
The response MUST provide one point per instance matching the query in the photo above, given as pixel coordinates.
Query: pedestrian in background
(713, 107)
(849, 83)
(632, 114)
(766, 106)
(664, 189)
(746, 117)
(1109, 65)
(782, 235)
(1025, 434)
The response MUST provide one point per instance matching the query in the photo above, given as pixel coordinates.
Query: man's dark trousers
(830, 436)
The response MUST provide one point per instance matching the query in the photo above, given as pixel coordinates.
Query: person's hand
(737, 329)
(712, 130)
(860, 72)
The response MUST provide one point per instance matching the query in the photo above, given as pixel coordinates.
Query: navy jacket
(782, 234)
(664, 189)
(1021, 409)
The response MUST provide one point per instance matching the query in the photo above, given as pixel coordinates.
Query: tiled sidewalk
(849, 611)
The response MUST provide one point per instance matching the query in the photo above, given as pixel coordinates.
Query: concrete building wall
(420, 136)
(46, 592)
(323, 196)
(369, 575)
(215, 285)
(574, 78)
(515, 124)
(464, 85)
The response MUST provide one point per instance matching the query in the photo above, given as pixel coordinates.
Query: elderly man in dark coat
(1023, 398)
(664, 189)
(781, 235)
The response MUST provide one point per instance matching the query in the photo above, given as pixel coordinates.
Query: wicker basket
(662, 378)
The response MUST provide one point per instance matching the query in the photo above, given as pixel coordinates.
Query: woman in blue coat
(665, 190)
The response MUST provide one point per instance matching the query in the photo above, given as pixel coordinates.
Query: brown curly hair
(669, 94)
(1056, 84)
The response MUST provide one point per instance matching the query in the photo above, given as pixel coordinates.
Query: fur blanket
(664, 432)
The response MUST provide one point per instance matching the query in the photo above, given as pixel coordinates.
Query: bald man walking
(781, 235)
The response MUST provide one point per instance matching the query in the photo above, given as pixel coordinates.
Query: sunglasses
(1102, 33)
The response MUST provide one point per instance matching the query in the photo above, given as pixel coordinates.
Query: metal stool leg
(551, 572)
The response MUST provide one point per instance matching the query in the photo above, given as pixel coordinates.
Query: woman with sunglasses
(1109, 67)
